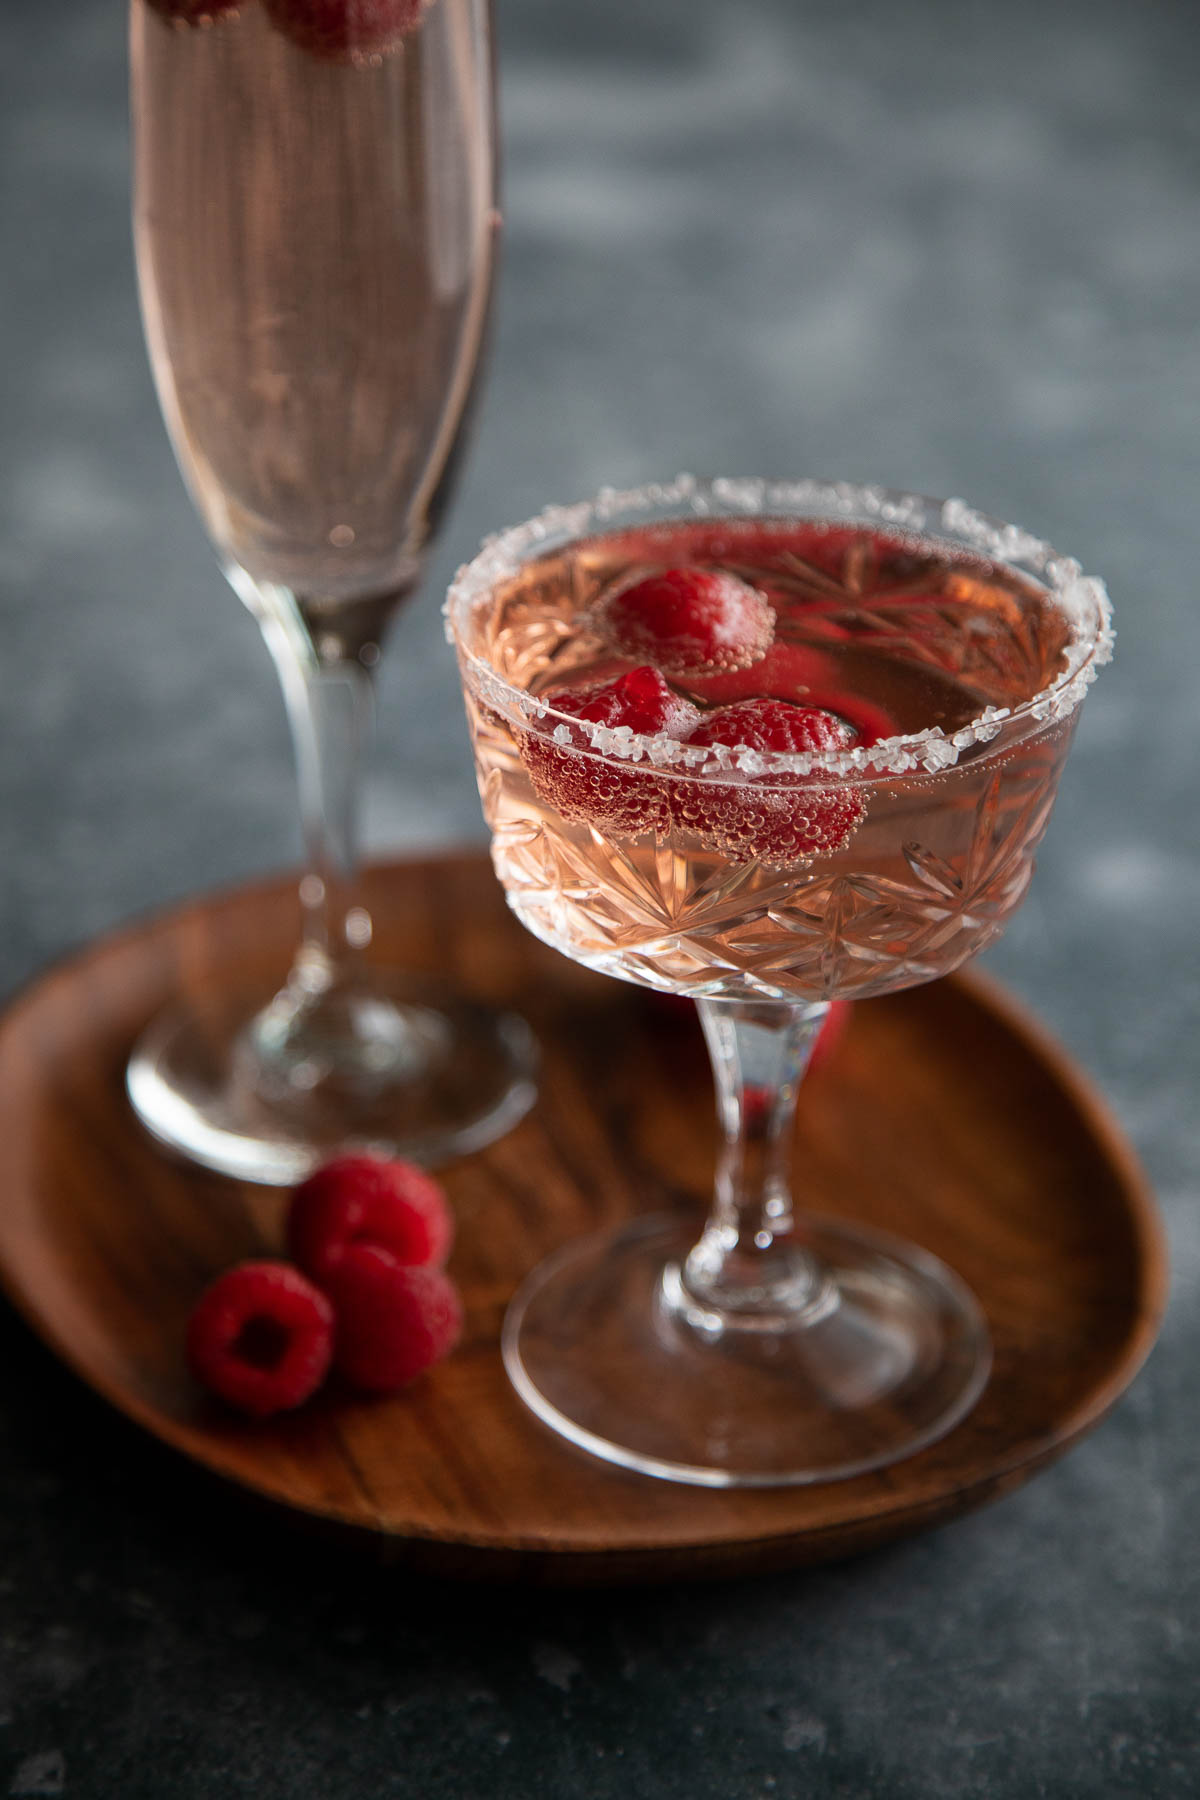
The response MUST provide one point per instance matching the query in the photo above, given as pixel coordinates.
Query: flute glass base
(406, 1069)
(890, 1354)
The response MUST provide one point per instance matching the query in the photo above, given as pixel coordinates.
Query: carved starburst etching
(659, 915)
(994, 639)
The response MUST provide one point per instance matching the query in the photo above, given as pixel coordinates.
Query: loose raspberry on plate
(345, 30)
(392, 1321)
(625, 798)
(782, 819)
(261, 1338)
(690, 621)
(365, 1200)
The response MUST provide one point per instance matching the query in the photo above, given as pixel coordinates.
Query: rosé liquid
(315, 246)
(895, 634)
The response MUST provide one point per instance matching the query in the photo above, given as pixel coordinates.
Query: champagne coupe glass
(770, 1347)
(315, 224)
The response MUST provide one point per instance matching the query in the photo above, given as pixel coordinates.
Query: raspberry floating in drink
(567, 772)
(393, 1321)
(261, 1338)
(345, 30)
(689, 621)
(367, 1200)
(766, 724)
(792, 818)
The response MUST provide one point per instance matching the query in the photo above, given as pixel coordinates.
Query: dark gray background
(948, 247)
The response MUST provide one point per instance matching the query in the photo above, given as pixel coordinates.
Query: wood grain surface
(943, 1116)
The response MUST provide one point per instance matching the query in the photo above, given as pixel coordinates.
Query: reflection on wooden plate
(943, 1116)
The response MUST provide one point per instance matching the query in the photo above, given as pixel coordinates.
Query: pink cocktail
(768, 746)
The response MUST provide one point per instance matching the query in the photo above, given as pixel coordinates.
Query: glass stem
(329, 693)
(748, 1262)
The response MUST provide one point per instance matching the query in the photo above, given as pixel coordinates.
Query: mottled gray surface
(947, 247)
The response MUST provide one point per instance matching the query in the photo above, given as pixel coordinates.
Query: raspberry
(364, 1200)
(261, 1338)
(345, 30)
(763, 724)
(786, 819)
(392, 1321)
(690, 621)
(194, 12)
(642, 700)
(621, 797)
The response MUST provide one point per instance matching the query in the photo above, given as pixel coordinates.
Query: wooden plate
(943, 1115)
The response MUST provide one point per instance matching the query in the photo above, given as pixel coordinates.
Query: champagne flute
(315, 226)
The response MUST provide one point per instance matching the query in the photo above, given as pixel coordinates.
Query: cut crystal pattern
(670, 919)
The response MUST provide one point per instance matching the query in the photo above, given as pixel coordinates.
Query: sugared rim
(1081, 599)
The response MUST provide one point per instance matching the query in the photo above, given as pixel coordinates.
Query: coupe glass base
(888, 1357)
(239, 1089)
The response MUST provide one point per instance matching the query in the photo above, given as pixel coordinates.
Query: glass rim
(1082, 601)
